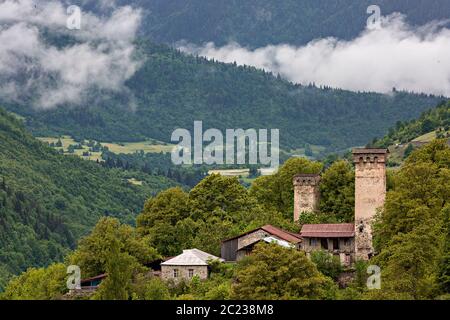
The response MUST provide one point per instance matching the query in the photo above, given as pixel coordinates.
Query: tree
(337, 191)
(409, 149)
(273, 272)
(38, 284)
(327, 263)
(277, 191)
(411, 232)
(224, 195)
(93, 254)
(120, 267)
(169, 206)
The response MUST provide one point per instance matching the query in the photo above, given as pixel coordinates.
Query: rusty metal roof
(281, 234)
(336, 230)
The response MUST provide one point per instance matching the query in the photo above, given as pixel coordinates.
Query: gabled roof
(191, 257)
(279, 233)
(279, 242)
(337, 230)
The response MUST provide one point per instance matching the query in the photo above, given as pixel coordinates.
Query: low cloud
(99, 56)
(395, 55)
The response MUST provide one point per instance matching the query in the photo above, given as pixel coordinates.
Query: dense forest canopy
(47, 200)
(172, 90)
(256, 23)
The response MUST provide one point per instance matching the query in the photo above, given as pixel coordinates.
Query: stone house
(190, 263)
(236, 248)
(338, 239)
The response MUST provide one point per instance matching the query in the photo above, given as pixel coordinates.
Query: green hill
(406, 136)
(172, 90)
(47, 200)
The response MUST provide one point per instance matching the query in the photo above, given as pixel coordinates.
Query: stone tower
(306, 194)
(370, 193)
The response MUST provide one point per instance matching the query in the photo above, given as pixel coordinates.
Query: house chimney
(370, 194)
(306, 194)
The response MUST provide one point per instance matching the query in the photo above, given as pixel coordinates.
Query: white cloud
(102, 56)
(395, 55)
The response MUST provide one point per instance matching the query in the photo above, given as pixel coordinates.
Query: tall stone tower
(370, 194)
(306, 194)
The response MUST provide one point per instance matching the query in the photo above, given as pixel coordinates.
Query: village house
(236, 248)
(190, 263)
(338, 239)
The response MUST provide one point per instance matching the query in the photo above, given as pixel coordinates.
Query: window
(175, 273)
(348, 259)
(324, 243)
(312, 242)
(336, 244)
(191, 273)
(347, 242)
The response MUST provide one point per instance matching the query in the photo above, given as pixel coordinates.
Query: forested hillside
(47, 200)
(411, 236)
(256, 23)
(172, 90)
(436, 120)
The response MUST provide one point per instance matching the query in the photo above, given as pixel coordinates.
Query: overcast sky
(29, 67)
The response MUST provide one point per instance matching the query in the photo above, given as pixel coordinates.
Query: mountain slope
(436, 120)
(256, 23)
(407, 136)
(172, 90)
(47, 200)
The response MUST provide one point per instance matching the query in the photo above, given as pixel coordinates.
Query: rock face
(370, 194)
(306, 194)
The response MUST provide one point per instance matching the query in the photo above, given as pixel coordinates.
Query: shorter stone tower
(306, 194)
(370, 194)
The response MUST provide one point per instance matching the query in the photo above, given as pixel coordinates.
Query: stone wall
(345, 251)
(167, 272)
(251, 238)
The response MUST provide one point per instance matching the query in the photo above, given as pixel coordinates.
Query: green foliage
(48, 201)
(404, 132)
(273, 272)
(277, 191)
(217, 208)
(172, 90)
(38, 284)
(411, 234)
(409, 149)
(337, 191)
(327, 263)
(119, 268)
(260, 23)
(156, 290)
(111, 242)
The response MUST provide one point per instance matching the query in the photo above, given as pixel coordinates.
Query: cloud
(394, 55)
(47, 74)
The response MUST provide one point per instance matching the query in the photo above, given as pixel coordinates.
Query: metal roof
(279, 233)
(337, 230)
(279, 242)
(191, 257)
